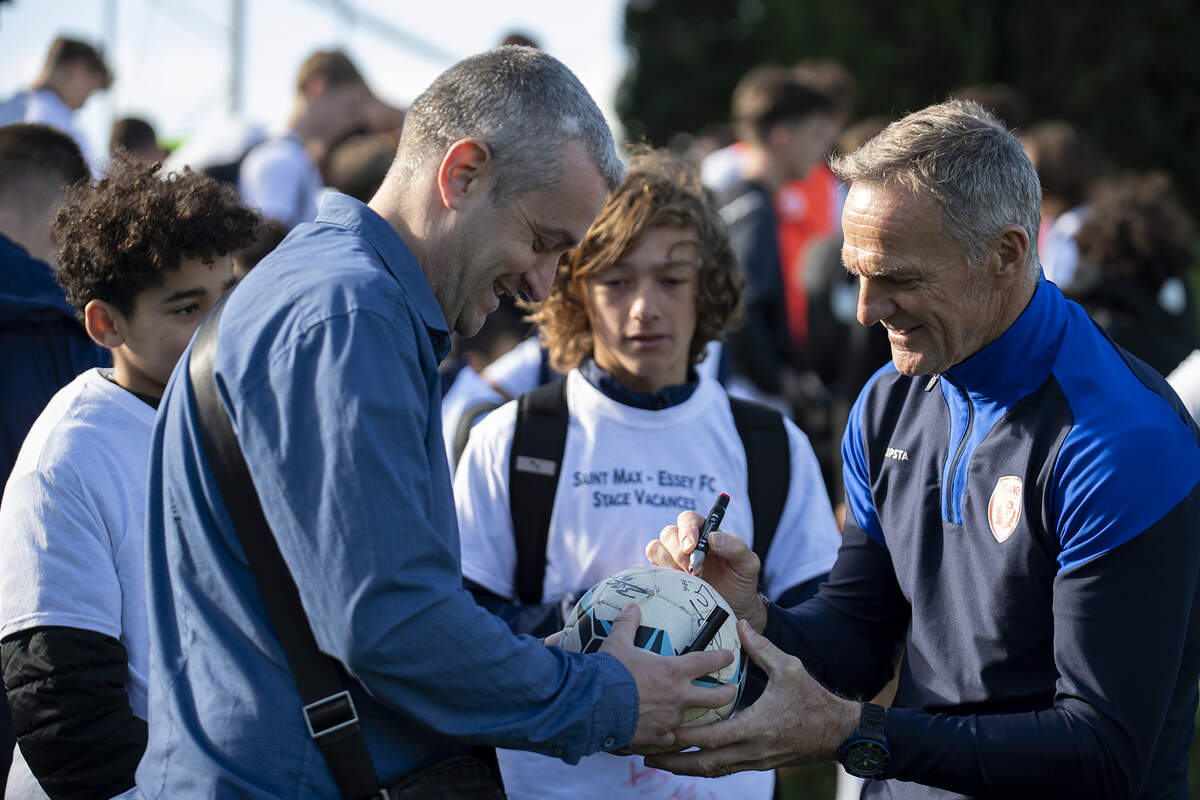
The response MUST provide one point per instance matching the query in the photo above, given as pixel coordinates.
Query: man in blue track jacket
(1022, 503)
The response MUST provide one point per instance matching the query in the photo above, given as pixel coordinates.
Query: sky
(172, 58)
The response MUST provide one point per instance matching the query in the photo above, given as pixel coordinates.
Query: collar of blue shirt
(346, 212)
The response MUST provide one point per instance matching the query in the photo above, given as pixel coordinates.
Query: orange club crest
(1004, 509)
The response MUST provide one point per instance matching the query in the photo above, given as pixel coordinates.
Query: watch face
(866, 759)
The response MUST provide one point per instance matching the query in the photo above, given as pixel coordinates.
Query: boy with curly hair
(628, 319)
(141, 258)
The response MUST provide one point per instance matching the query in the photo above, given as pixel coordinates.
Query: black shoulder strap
(539, 439)
(768, 466)
(462, 433)
(328, 711)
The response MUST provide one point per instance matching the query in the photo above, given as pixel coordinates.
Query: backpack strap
(462, 433)
(768, 466)
(539, 438)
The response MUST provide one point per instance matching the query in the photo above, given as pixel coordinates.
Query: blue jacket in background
(42, 346)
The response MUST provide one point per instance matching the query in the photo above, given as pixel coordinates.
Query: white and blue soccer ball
(674, 605)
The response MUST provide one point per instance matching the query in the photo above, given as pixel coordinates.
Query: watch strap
(866, 753)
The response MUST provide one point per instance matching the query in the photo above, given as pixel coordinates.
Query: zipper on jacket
(962, 446)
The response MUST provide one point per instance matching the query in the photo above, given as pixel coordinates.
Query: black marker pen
(711, 522)
(707, 631)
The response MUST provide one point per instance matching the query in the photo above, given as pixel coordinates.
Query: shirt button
(558, 751)
(609, 742)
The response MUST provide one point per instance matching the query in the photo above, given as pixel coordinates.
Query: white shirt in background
(46, 107)
(279, 179)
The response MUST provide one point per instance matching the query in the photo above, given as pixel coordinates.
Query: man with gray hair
(326, 361)
(1022, 497)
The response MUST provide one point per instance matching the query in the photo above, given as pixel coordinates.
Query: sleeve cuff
(903, 729)
(615, 715)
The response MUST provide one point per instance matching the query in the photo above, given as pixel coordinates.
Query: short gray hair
(525, 105)
(963, 157)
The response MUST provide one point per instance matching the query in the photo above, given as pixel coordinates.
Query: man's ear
(100, 321)
(463, 172)
(1011, 250)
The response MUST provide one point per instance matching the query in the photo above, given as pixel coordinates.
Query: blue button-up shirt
(327, 364)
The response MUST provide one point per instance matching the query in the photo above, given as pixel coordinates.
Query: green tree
(1124, 72)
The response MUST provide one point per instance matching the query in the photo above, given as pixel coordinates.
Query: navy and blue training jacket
(1026, 525)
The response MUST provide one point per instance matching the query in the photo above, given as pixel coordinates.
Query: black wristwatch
(865, 754)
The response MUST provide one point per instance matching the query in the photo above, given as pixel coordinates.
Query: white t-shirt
(520, 369)
(626, 473)
(1060, 252)
(1185, 380)
(47, 108)
(280, 179)
(516, 372)
(72, 529)
(468, 391)
(722, 168)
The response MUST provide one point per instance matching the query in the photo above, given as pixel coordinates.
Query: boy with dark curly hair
(628, 318)
(141, 257)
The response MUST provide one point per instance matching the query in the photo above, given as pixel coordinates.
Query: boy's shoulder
(89, 421)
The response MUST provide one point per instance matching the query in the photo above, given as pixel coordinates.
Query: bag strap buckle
(330, 714)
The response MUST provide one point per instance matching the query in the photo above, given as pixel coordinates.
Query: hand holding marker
(711, 522)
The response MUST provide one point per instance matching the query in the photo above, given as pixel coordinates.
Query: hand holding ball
(674, 608)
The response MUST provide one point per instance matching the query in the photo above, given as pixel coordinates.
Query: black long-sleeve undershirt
(70, 710)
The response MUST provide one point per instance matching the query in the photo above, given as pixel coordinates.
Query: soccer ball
(674, 605)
